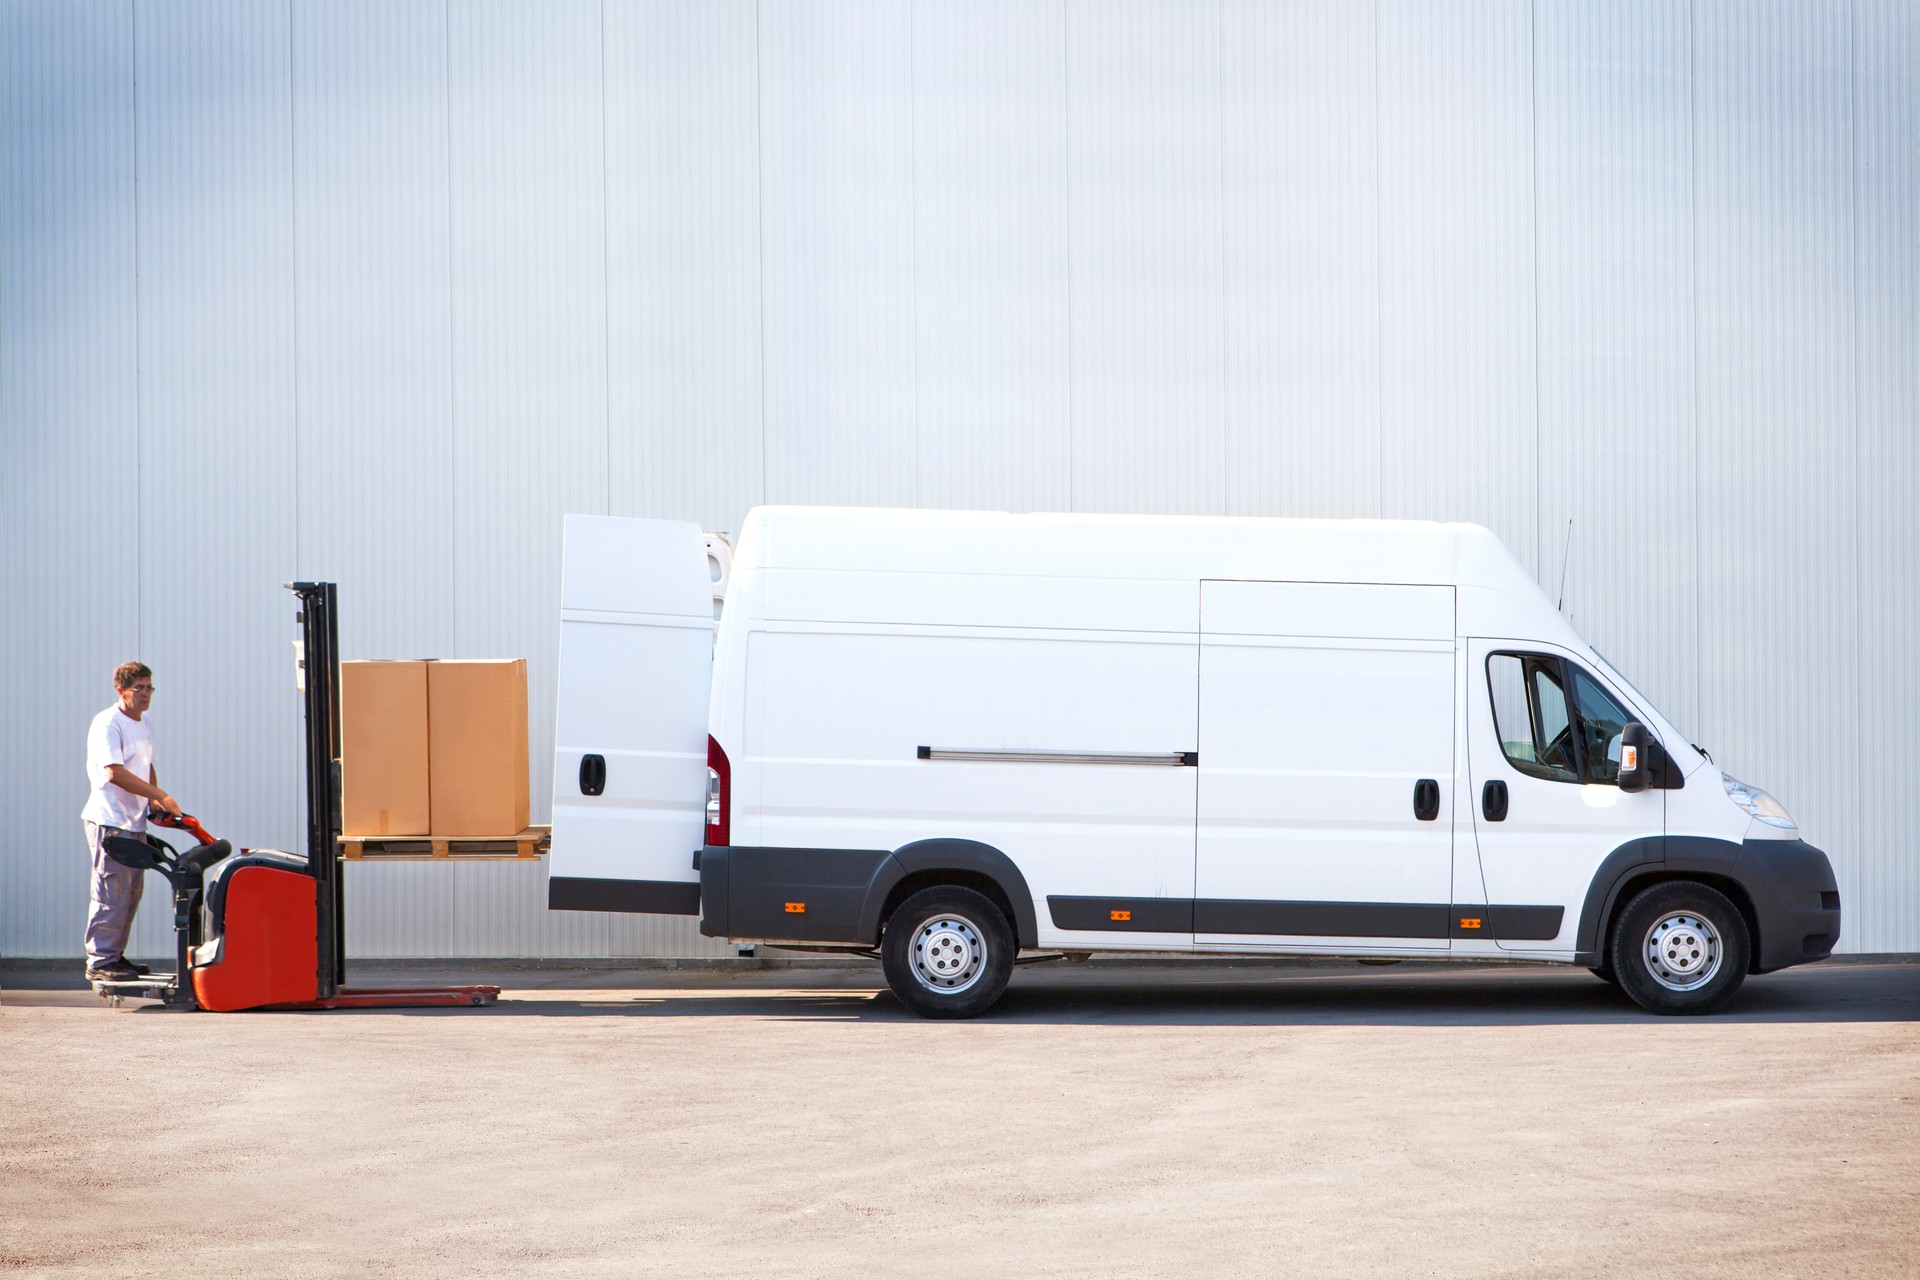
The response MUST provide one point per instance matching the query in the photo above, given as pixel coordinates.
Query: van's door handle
(1493, 801)
(1426, 799)
(593, 775)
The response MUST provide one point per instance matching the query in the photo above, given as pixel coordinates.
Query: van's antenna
(1565, 555)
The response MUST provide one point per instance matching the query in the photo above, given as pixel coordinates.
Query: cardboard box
(477, 747)
(383, 749)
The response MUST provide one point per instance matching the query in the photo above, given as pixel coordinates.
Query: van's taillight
(719, 792)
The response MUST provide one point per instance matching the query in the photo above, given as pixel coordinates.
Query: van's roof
(904, 540)
(1496, 595)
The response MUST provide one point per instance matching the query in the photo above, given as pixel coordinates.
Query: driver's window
(1530, 714)
(1601, 723)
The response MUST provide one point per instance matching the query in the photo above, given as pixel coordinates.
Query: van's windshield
(1624, 685)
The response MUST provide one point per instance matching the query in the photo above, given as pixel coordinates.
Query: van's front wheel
(1680, 947)
(947, 952)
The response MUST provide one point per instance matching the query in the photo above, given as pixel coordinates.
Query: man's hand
(167, 802)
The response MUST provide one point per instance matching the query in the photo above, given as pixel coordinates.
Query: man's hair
(127, 672)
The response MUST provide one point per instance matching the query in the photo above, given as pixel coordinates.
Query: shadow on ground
(1124, 995)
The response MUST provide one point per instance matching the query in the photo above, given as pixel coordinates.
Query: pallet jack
(264, 928)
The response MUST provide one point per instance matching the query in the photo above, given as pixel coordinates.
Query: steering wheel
(1559, 752)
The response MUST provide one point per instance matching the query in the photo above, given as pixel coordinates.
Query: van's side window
(1601, 722)
(1531, 714)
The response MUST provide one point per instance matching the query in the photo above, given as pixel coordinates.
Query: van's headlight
(1758, 803)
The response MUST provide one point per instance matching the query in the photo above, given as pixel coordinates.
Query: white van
(949, 737)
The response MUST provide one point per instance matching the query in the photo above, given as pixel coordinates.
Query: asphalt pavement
(1113, 1118)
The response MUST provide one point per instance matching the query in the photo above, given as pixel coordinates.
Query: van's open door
(630, 736)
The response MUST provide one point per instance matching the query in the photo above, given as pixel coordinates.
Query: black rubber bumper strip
(1122, 915)
(1258, 918)
(639, 897)
(1511, 924)
(1420, 920)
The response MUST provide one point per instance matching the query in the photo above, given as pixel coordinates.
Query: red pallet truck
(263, 928)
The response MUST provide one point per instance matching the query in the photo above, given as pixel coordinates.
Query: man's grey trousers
(116, 896)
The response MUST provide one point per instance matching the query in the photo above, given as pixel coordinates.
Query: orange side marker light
(1469, 922)
(796, 908)
(1119, 915)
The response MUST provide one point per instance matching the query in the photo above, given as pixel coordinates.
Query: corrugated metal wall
(376, 292)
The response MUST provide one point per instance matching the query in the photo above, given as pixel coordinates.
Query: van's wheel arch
(1679, 947)
(948, 952)
(922, 864)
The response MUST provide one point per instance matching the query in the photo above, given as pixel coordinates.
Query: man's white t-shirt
(117, 738)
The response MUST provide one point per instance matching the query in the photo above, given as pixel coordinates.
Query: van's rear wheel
(1680, 948)
(947, 952)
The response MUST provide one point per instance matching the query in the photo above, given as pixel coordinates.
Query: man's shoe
(113, 971)
(139, 969)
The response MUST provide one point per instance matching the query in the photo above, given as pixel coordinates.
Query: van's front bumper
(1796, 902)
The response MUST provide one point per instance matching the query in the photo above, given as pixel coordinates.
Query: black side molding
(1121, 915)
(1414, 921)
(1519, 924)
(638, 897)
(1419, 920)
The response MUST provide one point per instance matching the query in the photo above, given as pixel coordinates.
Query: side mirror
(1638, 750)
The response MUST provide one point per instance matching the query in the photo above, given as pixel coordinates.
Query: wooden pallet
(526, 846)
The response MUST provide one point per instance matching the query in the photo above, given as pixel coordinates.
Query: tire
(1680, 948)
(947, 952)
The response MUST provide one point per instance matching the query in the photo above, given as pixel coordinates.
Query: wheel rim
(949, 955)
(1682, 951)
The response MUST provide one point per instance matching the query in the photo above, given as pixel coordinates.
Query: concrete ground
(1109, 1119)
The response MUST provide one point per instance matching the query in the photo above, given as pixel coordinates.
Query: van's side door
(630, 732)
(1326, 774)
(1543, 753)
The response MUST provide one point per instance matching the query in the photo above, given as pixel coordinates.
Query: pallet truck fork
(265, 929)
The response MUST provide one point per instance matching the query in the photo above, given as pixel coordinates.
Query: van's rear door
(630, 734)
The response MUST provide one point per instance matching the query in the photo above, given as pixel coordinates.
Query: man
(120, 769)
